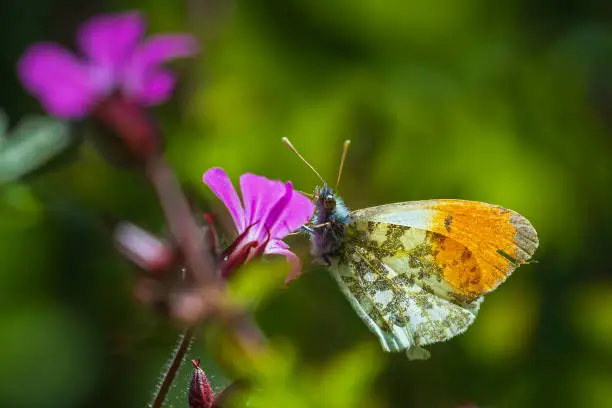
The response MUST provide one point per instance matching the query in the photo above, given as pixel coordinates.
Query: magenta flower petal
(259, 195)
(274, 216)
(298, 211)
(220, 184)
(162, 48)
(271, 211)
(154, 87)
(115, 60)
(58, 79)
(109, 39)
(278, 247)
(144, 79)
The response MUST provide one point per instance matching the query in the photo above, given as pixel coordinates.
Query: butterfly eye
(330, 202)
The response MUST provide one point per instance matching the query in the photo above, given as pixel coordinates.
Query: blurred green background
(506, 102)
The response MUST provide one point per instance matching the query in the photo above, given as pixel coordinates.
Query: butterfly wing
(477, 245)
(417, 270)
(402, 311)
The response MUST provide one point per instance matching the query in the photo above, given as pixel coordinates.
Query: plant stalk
(177, 360)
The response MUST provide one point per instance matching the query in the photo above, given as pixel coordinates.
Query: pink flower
(271, 211)
(114, 58)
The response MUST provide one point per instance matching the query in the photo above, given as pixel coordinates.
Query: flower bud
(143, 248)
(200, 393)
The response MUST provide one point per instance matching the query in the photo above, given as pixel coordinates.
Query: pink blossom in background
(113, 57)
(271, 211)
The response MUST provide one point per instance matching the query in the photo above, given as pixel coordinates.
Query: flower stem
(191, 242)
(131, 123)
(177, 359)
(200, 264)
(181, 223)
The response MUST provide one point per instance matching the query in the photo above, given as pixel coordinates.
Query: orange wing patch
(494, 241)
(459, 268)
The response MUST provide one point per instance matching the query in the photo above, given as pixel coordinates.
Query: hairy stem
(192, 245)
(199, 262)
(177, 360)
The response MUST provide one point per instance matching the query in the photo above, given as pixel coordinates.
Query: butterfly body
(330, 220)
(415, 272)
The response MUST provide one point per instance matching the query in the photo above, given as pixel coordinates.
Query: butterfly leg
(306, 228)
(319, 226)
(311, 228)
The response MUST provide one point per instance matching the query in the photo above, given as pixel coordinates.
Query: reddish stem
(181, 223)
(191, 243)
(199, 261)
(179, 355)
(131, 123)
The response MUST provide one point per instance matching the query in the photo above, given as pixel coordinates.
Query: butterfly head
(328, 200)
(329, 207)
(325, 198)
(331, 215)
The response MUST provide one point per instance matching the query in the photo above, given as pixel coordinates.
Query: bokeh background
(506, 102)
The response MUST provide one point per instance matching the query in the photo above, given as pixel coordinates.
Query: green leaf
(346, 381)
(34, 142)
(257, 281)
(282, 379)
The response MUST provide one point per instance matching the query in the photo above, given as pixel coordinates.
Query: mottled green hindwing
(391, 277)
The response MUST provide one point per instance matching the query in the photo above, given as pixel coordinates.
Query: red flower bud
(200, 393)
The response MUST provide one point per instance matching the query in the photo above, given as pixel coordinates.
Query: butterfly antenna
(306, 194)
(347, 143)
(290, 146)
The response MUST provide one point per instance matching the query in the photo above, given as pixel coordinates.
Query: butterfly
(416, 272)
